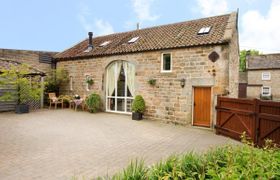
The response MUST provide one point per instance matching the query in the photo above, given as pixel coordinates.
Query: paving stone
(58, 144)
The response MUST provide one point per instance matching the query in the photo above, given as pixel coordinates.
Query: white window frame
(71, 83)
(171, 66)
(116, 97)
(87, 85)
(269, 89)
(266, 78)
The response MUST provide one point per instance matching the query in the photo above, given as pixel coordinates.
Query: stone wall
(243, 77)
(231, 34)
(167, 100)
(255, 78)
(31, 58)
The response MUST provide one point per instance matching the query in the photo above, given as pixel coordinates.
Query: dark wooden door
(202, 106)
(242, 90)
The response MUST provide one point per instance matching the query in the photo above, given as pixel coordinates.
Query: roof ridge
(158, 26)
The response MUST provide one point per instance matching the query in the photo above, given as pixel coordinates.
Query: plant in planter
(93, 102)
(24, 88)
(89, 81)
(138, 108)
(76, 96)
(55, 78)
(152, 82)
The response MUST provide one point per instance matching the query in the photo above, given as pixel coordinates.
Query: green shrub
(93, 102)
(226, 162)
(136, 170)
(138, 104)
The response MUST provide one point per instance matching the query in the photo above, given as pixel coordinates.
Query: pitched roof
(178, 35)
(265, 61)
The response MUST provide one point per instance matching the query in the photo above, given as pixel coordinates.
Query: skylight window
(133, 40)
(204, 30)
(104, 43)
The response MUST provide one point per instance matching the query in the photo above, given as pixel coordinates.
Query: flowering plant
(76, 96)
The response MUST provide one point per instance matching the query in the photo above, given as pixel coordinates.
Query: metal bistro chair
(54, 100)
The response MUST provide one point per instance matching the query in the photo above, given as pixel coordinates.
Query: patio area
(60, 144)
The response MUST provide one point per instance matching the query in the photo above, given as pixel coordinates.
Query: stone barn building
(191, 63)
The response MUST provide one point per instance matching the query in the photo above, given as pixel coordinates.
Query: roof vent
(90, 44)
(105, 43)
(204, 30)
(133, 40)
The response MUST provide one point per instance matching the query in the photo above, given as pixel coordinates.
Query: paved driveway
(58, 144)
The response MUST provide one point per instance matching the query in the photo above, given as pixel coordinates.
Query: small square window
(166, 62)
(266, 76)
(204, 30)
(266, 91)
(133, 40)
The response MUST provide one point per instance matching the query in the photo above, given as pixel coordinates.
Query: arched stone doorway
(120, 86)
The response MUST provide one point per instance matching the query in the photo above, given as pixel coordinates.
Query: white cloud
(103, 27)
(89, 23)
(212, 7)
(261, 32)
(142, 8)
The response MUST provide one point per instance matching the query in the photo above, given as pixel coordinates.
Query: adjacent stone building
(40, 62)
(263, 73)
(191, 63)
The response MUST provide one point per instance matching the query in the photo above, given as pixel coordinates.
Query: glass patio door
(120, 87)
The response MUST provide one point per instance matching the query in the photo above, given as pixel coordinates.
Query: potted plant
(77, 96)
(93, 102)
(55, 78)
(23, 89)
(138, 108)
(89, 81)
(152, 82)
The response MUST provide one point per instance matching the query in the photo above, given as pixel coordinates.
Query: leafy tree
(242, 57)
(55, 78)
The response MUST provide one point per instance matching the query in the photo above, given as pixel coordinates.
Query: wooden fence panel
(259, 119)
(234, 116)
(268, 121)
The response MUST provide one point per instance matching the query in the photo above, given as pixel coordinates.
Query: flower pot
(137, 116)
(22, 108)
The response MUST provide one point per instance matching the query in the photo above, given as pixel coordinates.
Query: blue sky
(56, 25)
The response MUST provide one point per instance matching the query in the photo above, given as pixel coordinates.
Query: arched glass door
(120, 86)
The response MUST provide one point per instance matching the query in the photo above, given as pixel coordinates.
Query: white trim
(161, 63)
(266, 74)
(269, 90)
(87, 85)
(71, 83)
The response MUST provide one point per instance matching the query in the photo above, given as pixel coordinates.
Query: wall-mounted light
(183, 82)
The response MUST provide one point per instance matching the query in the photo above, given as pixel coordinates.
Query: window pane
(121, 104)
(111, 104)
(265, 90)
(121, 83)
(129, 105)
(166, 62)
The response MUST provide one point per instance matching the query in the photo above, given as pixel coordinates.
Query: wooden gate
(259, 119)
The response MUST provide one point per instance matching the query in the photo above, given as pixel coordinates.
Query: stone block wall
(255, 78)
(31, 58)
(167, 100)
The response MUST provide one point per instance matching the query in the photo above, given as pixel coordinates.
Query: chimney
(90, 39)
(138, 26)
